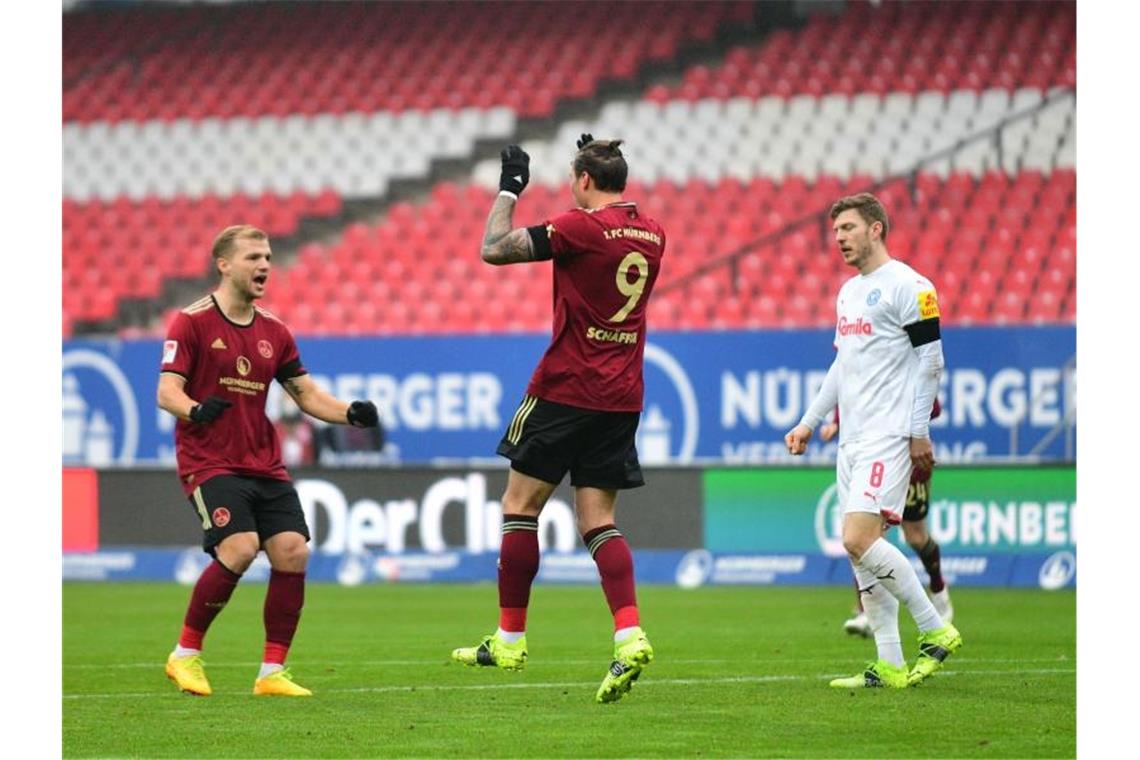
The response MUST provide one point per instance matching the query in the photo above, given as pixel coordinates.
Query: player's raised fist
(797, 439)
(516, 170)
(363, 414)
(209, 410)
(585, 140)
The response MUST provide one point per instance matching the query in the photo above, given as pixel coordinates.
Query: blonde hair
(227, 238)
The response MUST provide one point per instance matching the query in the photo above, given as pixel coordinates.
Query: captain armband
(923, 332)
(540, 237)
(290, 370)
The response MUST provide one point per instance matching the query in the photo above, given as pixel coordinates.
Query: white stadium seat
(679, 140)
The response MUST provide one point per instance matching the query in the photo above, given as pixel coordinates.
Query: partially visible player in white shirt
(884, 380)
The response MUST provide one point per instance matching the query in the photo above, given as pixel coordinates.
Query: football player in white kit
(884, 380)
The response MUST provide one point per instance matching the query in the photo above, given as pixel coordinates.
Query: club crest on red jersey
(265, 348)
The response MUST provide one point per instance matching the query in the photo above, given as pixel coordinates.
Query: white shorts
(873, 475)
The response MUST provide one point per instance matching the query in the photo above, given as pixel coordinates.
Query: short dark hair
(603, 161)
(869, 207)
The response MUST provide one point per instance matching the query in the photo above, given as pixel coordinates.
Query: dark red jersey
(235, 362)
(606, 261)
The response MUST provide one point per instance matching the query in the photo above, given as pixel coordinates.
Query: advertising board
(710, 397)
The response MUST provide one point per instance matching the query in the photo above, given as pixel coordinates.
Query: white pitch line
(574, 684)
(421, 663)
(1035, 671)
(386, 663)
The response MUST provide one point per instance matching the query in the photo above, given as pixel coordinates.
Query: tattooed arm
(316, 401)
(501, 244)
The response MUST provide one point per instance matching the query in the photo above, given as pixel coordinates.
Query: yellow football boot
(187, 672)
(279, 684)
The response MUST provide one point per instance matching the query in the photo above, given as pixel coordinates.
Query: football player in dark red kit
(583, 404)
(220, 355)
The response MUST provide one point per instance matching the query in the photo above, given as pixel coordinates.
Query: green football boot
(879, 674)
(630, 656)
(494, 651)
(933, 649)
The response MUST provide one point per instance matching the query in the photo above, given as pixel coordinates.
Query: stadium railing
(817, 219)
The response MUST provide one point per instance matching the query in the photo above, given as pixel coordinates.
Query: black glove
(363, 414)
(585, 140)
(209, 410)
(516, 169)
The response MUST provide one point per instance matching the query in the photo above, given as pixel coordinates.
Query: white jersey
(877, 363)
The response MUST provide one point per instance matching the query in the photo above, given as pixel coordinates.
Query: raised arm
(317, 402)
(501, 243)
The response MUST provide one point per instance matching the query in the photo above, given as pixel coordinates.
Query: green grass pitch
(740, 672)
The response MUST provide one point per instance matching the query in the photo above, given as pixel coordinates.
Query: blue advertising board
(687, 569)
(710, 396)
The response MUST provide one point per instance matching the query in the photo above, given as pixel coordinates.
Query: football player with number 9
(582, 407)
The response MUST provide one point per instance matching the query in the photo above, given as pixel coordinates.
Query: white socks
(883, 614)
(269, 668)
(622, 634)
(509, 637)
(891, 569)
(181, 651)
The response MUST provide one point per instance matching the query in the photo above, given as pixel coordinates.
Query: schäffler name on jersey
(611, 336)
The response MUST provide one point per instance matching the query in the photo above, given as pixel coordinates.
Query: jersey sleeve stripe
(201, 304)
(267, 314)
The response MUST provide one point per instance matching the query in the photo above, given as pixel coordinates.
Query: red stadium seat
(969, 234)
(179, 77)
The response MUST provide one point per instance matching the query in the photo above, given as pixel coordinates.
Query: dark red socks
(518, 565)
(615, 566)
(211, 592)
(283, 601)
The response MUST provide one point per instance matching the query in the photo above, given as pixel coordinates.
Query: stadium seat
(742, 146)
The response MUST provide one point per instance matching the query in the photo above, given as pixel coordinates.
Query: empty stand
(166, 141)
(251, 60)
(905, 47)
(429, 279)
